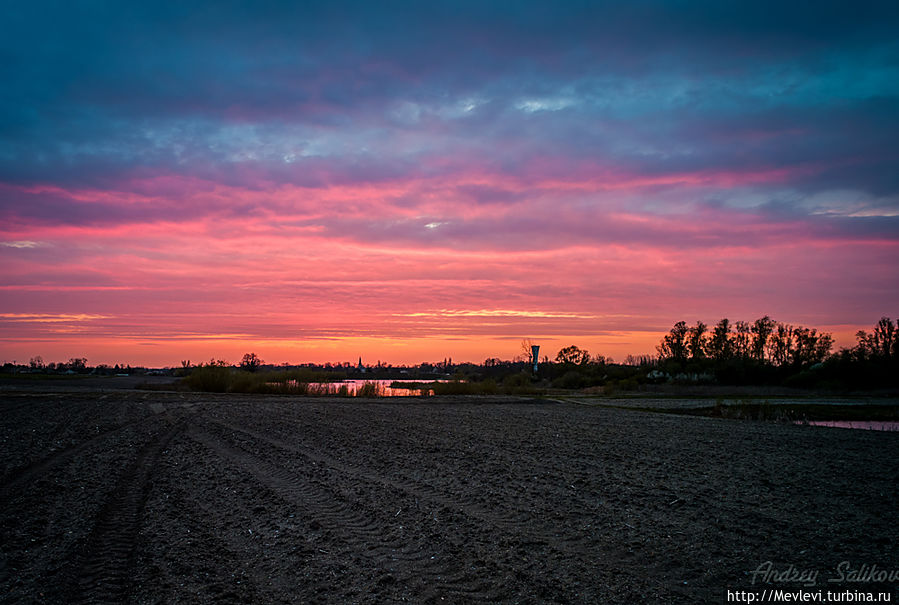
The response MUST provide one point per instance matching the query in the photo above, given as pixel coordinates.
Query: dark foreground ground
(165, 497)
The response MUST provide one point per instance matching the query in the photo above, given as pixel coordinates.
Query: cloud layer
(413, 177)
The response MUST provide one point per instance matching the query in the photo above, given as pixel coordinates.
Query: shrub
(513, 381)
(209, 378)
(369, 389)
(570, 380)
(486, 387)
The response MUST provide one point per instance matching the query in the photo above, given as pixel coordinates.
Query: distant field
(153, 497)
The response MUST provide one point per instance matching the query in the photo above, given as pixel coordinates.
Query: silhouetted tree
(881, 343)
(720, 346)
(525, 350)
(761, 330)
(250, 362)
(77, 364)
(883, 338)
(696, 341)
(742, 340)
(637, 360)
(872, 363)
(861, 351)
(674, 345)
(573, 356)
(864, 349)
(780, 345)
(810, 347)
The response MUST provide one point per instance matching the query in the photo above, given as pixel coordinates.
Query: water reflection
(867, 425)
(369, 388)
(383, 389)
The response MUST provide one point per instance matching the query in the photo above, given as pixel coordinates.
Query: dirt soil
(147, 497)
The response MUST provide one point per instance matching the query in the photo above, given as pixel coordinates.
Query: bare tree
(742, 340)
(525, 351)
(883, 338)
(761, 330)
(882, 342)
(720, 346)
(809, 346)
(780, 344)
(250, 362)
(696, 341)
(674, 345)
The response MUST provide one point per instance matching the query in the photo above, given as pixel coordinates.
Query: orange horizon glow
(201, 348)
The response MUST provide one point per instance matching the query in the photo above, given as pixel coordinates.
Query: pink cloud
(187, 263)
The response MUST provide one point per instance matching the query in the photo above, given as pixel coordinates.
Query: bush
(370, 389)
(210, 378)
(457, 387)
(571, 380)
(513, 381)
(219, 378)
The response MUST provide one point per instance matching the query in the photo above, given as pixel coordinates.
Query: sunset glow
(321, 183)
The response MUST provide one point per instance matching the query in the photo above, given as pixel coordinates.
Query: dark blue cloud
(105, 91)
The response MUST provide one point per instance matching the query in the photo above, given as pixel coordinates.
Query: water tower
(535, 351)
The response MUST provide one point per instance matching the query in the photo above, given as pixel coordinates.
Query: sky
(410, 181)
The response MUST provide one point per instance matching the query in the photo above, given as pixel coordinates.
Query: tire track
(185, 529)
(358, 532)
(521, 530)
(331, 509)
(326, 517)
(425, 493)
(428, 497)
(26, 474)
(101, 573)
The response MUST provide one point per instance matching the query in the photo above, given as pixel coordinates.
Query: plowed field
(163, 497)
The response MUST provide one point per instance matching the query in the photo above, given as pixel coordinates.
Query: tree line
(764, 340)
(763, 352)
(771, 352)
